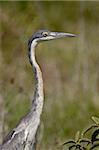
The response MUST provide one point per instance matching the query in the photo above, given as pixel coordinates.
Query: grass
(71, 64)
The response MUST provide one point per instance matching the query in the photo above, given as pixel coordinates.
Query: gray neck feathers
(37, 103)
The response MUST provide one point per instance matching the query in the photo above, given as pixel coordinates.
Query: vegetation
(83, 143)
(70, 67)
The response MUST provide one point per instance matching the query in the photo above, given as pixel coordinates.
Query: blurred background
(70, 67)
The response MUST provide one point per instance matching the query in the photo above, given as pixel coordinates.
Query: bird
(28, 126)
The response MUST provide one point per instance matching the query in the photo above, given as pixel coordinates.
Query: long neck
(37, 102)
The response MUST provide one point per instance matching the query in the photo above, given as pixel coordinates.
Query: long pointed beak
(61, 35)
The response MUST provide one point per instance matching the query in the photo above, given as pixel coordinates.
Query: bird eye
(45, 34)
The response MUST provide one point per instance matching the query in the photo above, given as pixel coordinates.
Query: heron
(26, 130)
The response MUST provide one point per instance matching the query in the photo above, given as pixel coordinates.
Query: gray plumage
(24, 135)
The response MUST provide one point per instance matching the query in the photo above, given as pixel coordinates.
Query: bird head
(46, 35)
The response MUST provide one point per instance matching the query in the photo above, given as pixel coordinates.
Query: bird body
(30, 123)
(26, 130)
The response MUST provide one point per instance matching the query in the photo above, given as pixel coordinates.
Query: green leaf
(95, 136)
(69, 142)
(85, 141)
(87, 130)
(94, 146)
(77, 136)
(95, 119)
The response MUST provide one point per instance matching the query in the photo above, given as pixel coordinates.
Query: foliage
(81, 142)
